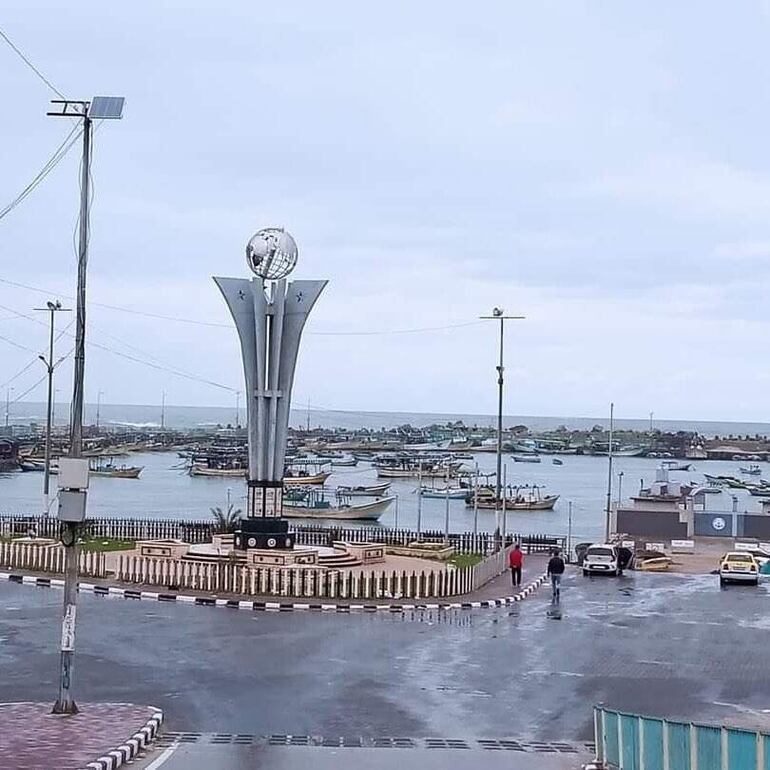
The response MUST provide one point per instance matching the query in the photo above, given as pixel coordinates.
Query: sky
(601, 168)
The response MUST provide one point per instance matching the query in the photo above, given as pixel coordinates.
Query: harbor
(165, 489)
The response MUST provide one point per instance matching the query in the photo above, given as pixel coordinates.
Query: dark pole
(498, 484)
(498, 315)
(66, 703)
(49, 414)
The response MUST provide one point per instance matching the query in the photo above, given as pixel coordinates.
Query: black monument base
(264, 532)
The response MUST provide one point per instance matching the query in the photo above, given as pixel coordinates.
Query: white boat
(309, 504)
(453, 493)
(373, 490)
(752, 470)
(526, 458)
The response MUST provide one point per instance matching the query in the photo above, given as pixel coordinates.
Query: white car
(738, 566)
(602, 559)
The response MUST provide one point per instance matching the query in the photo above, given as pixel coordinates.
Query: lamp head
(497, 312)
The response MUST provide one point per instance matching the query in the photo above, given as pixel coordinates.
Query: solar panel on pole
(106, 107)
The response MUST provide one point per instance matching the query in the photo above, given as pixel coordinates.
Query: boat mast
(609, 478)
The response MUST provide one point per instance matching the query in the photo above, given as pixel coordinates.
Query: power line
(151, 364)
(31, 65)
(178, 319)
(49, 166)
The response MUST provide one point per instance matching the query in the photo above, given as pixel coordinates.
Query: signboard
(629, 544)
(682, 546)
(68, 629)
(657, 546)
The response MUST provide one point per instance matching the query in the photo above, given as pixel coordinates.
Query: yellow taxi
(738, 566)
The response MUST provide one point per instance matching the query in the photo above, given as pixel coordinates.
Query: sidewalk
(33, 738)
(497, 590)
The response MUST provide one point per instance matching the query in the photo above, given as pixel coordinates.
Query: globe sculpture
(271, 253)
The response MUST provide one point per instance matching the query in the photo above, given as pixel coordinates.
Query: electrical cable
(49, 166)
(31, 65)
(178, 319)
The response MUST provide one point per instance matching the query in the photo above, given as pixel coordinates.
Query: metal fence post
(599, 734)
(693, 747)
(666, 763)
(642, 722)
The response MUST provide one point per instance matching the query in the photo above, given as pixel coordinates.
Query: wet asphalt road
(659, 644)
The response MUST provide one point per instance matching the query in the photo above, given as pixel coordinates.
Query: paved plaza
(676, 646)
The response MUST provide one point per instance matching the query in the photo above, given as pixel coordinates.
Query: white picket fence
(49, 558)
(491, 567)
(302, 582)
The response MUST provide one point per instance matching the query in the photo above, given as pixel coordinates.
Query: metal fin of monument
(269, 315)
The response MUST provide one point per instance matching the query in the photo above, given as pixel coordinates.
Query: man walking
(516, 562)
(555, 571)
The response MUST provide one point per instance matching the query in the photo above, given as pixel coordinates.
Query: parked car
(602, 559)
(738, 566)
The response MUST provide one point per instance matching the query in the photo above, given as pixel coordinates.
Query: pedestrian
(556, 570)
(516, 562)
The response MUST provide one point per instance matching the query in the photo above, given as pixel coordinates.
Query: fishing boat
(526, 458)
(373, 490)
(344, 462)
(203, 470)
(759, 491)
(303, 472)
(407, 466)
(522, 498)
(453, 493)
(557, 461)
(31, 465)
(312, 504)
(108, 470)
(752, 470)
(675, 465)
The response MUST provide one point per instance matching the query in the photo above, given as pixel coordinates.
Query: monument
(269, 316)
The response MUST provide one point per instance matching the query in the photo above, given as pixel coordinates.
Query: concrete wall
(657, 524)
(728, 524)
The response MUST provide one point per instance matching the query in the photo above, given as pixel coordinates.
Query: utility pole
(72, 512)
(609, 478)
(419, 500)
(8, 392)
(98, 407)
(52, 308)
(498, 315)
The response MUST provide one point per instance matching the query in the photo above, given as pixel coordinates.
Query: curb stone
(131, 748)
(206, 601)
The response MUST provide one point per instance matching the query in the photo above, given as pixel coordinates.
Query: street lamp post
(98, 407)
(498, 315)
(52, 308)
(8, 392)
(99, 108)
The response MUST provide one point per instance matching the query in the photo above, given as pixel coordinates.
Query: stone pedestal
(272, 557)
(164, 549)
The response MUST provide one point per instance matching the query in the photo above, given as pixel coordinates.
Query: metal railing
(632, 742)
(201, 530)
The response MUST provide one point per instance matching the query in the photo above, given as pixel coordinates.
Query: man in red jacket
(516, 562)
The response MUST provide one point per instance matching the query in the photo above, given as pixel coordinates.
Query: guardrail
(49, 558)
(632, 742)
(196, 531)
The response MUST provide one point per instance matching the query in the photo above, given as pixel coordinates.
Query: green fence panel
(678, 746)
(709, 745)
(653, 744)
(629, 729)
(741, 749)
(611, 738)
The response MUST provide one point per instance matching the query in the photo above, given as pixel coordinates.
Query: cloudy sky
(599, 167)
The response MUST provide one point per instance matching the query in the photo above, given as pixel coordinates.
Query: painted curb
(235, 604)
(130, 749)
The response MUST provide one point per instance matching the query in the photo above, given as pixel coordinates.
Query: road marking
(155, 764)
